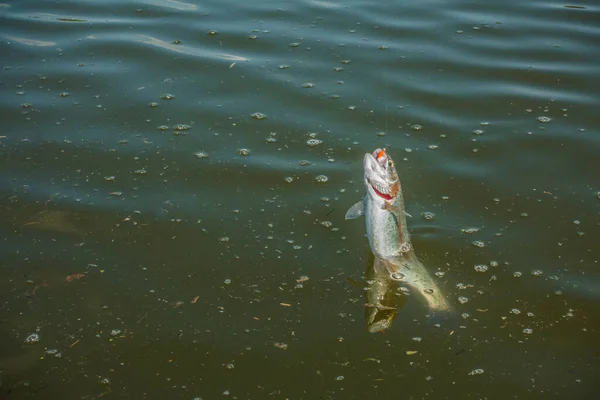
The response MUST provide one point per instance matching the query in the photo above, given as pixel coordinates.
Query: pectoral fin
(357, 210)
(396, 210)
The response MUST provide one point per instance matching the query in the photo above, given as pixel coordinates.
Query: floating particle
(313, 142)
(304, 163)
(352, 108)
(105, 381)
(346, 61)
(303, 278)
(417, 338)
(382, 47)
(340, 378)
(252, 37)
(51, 351)
(223, 239)
(243, 152)
(517, 274)
(307, 85)
(295, 44)
(416, 127)
(229, 366)
(515, 311)
(528, 331)
(465, 315)
(326, 224)
(280, 345)
(163, 128)
(544, 119)
(477, 371)
(201, 154)
(115, 332)
(380, 133)
(297, 247)
(524, 215)
(484, 123)
(167, 96)
(33, 338)
(212, 32)
(227, 281)
(439, 274)
(411, 352)
(259, 116)
(284, 66)
(493, 263)
(64, 94)
(335, 96)
(289, 179)
(428, 215)
(432, 146)
(478, 132)
(321, 178)
(463, 299)
(537, 272)
(470, 230)
(26, 105)
(140, 172)
(109, 178)
(481, 268)
(153, 104)
(176, 41)
(338, 69)
(478, 243)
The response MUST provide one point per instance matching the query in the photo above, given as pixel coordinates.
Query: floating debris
(74, 277)
(303, 278)
(313, 142)
(281, 346)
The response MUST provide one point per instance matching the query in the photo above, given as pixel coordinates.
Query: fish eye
(390, 163)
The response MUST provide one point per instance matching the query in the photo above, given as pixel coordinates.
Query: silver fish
(383, 208)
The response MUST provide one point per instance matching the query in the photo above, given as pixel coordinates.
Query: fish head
(381, 178)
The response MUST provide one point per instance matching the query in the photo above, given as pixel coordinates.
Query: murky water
(175, 177)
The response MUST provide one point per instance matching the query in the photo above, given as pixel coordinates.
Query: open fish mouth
(378, 163)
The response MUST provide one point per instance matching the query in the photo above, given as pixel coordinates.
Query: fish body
(387, 232)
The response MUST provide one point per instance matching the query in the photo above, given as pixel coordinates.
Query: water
(164, 263)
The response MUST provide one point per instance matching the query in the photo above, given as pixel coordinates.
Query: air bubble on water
(380, 134)
(465, 315)
(439, 274)
(284, 66)
(352, 108)
(321, 178)
(26, 105)
(201, 154)
(470, 230)
(313, 142)
(598, 195)
(223, 239)
(416, 127)
(493, 263)
(417, 338)
(481, 268)
(404, 247)
(295, 44)
(484, 123)
(304, 163)
(212, 32)
(181, 127)
(252, 37)
(105, 381)
(297, 247)
(307, 85)
(64, 94)
(478, 243)
(428, 215)
(537, 272)
(326, 224)
(515, 311)
(463, 299)
(163, 128)
(477, 371)
(270, 139)
(346, 61)
(544, 119)
(517, 274)
(140, 172)
(33, 338)
(167, 96)
(259, 116)
(227, 281)
(340, 378)
(115, 332)
(289, 179)
(432, 146)
(408, 150)
(478, 132)
(528, 331)
(243, 152)
(229, 366)
(429, 291)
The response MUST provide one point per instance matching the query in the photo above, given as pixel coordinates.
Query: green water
(132, 155)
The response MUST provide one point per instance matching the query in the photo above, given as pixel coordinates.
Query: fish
(387, 231)
(382, 297)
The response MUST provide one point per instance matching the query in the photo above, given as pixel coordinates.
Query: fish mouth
(378, 168)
